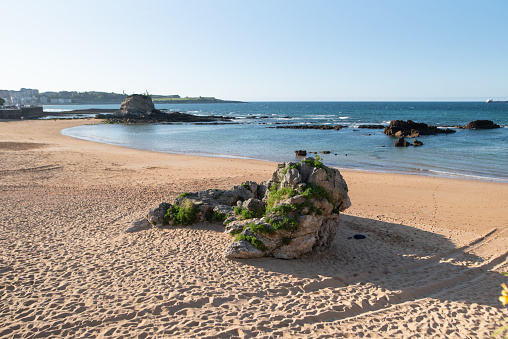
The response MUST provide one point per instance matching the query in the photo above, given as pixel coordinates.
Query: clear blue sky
(260, 50)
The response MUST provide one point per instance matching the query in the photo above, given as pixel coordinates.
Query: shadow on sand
(395, 257)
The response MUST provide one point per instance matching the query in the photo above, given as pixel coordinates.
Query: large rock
(156, 215)
(481, 124)
(303, 205)
(294, 213)
(137, 105)
(411, 129)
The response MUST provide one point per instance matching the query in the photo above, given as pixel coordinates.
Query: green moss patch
(184, 214)
(253, 240)
(244, 214)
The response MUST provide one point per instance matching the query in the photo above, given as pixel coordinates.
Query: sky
(260, 50)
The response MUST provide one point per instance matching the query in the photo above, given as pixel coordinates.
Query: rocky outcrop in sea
(139, 108)
(294, 213)
(137, 105)
(481, 124)
(411, 129)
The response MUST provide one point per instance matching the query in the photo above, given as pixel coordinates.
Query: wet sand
(428, 267)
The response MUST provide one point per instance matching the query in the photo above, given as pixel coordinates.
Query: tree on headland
(2, 102)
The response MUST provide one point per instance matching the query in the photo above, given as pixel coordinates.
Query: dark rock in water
(139, 108)
(412, 129)
(301, 153)
(325, 152)
(401, 142)
(161, 117)
(445, 131)
(372, 126)
(321, 127)
(417, 142)
(481, 124)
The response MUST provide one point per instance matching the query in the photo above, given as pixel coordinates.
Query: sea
(466, 154)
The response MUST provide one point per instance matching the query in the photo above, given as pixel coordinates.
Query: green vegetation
(184, 214)
(260, 228)
(253, 240)
(95, 97)
(217, 217)
(284, 216)
(246, 214)
(286, 240)
(314, 191)
(183, 195)
(314, 163)
(286, 169)
(277, 195)
(2, 101)
(287, 224)
(85, 97)
(178, 100)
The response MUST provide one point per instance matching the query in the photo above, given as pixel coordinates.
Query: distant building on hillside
(25, 96)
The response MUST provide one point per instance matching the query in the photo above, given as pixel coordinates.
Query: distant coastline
(156, 100)
(490, 101)
(32, 97)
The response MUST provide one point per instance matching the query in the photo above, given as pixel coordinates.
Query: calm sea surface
(467, 154)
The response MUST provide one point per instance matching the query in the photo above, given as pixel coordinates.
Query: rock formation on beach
(137, 105)
(294, 213)
(411, 129)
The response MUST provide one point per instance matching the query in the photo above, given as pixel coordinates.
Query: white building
(25, 96)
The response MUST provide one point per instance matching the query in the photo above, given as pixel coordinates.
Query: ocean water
(466, 154)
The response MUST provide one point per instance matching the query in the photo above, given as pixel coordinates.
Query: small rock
(417, 142)
(242, 250)
(401, 142)
(301, 153)
(139, 225)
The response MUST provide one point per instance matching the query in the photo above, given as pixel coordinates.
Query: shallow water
(469, 154)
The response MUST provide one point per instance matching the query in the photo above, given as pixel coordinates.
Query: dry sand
(426, 269)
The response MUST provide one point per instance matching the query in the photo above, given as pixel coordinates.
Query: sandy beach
(428, 267)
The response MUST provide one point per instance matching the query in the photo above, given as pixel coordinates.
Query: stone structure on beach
(137, 105)
(294, 213)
